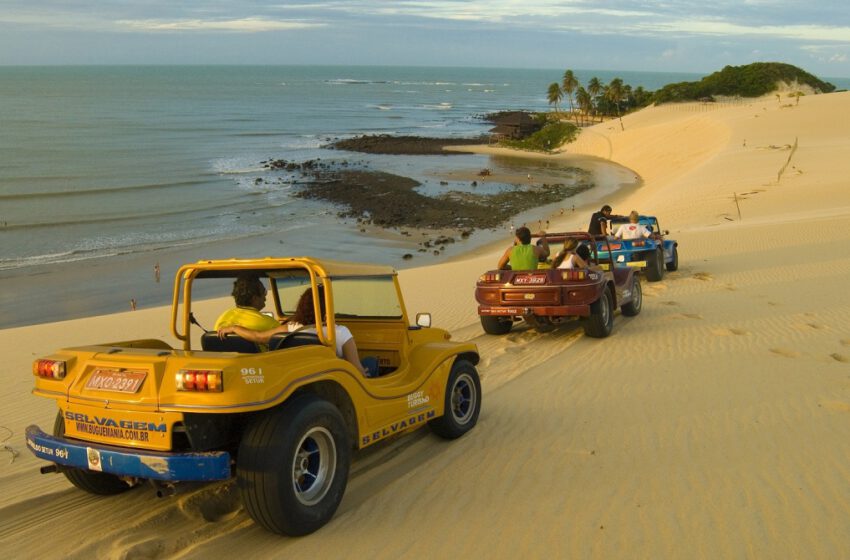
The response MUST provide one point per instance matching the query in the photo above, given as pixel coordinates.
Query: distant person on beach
(304, 320)
(522, 255)
(568, 257)
(133, 304)
(249, 294)
(633, 230)
(599, 221)
(156, 272)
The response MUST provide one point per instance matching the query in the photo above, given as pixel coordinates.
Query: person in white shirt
(632, 230)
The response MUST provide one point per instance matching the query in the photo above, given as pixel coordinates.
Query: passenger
(568, 257)
(633, 230)
(249, 293)
(522, 255)
(304, 320)
(599, 221)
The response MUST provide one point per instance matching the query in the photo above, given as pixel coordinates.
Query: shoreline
(102, 286)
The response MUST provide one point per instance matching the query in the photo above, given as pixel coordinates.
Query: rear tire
(674, 263)
(633, 307)
(462, 402)
(601, 320)
(93, 482)
(655, 266)
(293, 464)
(496, 325)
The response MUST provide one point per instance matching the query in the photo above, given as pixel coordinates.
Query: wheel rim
(605, 312)
(463, 397)
(637, 295)
(314, 466)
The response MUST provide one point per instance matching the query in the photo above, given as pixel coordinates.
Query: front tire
(655, 266)
(633, 307)
(293, 465)
(601, 320)
(496, 325)
(673, 265)
(93, 482)
(462, 402)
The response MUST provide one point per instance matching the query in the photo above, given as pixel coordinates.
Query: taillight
(200, 380)
(51, 369)
(571, 274)
(615, 246)
(490, 277)
(639, 243)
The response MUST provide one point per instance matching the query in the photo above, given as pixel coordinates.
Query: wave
(105, 190)
(438, 107)
(350, 81)
(141, 244)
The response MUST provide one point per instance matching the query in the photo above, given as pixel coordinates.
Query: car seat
(211, 342)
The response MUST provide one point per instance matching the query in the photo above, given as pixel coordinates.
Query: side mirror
(423, 320)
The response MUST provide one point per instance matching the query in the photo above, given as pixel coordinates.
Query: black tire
(496, 325)
(601, 320)
(633, 307)
(462, 402)
(93, 482)
(292, 466)
(674, 263)
(655, 266)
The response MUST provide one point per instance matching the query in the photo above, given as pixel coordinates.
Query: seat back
(230, 343)
(291, 340)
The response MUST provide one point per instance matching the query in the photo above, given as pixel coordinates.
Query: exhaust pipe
(165, 490)
(48, 469)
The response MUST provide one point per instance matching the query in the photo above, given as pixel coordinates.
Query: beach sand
(713, 425)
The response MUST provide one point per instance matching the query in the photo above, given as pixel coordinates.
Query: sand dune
(713, 425)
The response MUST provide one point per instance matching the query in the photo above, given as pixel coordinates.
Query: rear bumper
(540, 311)
(122, 461)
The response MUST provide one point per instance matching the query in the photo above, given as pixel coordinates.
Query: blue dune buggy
(653, 254)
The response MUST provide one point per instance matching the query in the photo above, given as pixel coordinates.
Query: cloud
(243, 25)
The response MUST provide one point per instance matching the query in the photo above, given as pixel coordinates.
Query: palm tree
(615, 94)
(554, 95)
(585, 102)
(569, 85)
(594, 87)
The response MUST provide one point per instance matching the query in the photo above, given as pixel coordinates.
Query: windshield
(367, 297)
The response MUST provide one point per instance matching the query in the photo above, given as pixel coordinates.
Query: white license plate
(118, 381)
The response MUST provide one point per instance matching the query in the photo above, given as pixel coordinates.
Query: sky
(667, 35)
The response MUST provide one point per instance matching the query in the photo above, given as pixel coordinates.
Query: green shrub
(548, 138)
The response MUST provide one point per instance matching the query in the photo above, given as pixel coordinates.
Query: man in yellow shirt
(249, 293)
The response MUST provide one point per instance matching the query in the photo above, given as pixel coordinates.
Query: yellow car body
(143, 410)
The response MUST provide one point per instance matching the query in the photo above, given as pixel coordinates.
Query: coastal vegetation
(550, 136)
(752, 80)
(596, 100)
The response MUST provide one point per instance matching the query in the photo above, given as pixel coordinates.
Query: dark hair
(606, 208)
(583, 251)
(304, 311)
(524, 235)
(245, 288)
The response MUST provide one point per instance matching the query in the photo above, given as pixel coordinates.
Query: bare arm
(349, 352)
(505, 258)
(260, 337)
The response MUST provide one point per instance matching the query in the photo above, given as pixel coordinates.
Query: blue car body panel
(631, 250)
(121, 461)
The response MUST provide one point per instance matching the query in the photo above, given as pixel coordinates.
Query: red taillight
(201, 380)
(615, 246)
(571, 274)
(490, 277)
(50, 369)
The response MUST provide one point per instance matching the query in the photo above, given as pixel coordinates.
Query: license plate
(530, 279)
(118, 381)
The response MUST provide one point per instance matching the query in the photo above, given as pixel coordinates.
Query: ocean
(113, 169)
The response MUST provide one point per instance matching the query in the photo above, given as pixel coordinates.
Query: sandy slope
(714, 424)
